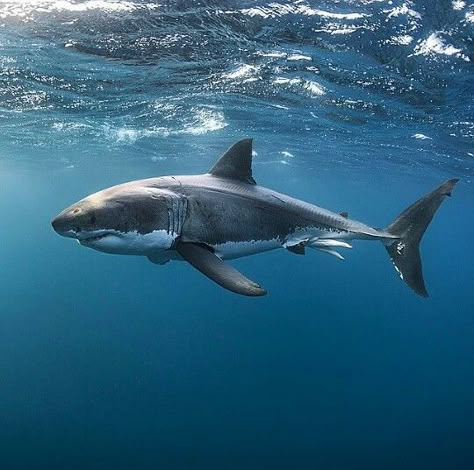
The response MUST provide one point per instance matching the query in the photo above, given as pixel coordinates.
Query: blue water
(113, 362)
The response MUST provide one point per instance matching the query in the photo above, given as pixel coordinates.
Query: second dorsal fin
(236, 163)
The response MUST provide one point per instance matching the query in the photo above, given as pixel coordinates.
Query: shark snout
(68, 222)
(80, 224)
(62, 226)
(57, 224)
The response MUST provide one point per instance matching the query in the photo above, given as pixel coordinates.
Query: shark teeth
(85, 241)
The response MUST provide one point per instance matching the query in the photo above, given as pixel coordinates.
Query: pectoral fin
(217, 270)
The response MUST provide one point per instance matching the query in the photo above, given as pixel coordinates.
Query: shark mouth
(93, 238)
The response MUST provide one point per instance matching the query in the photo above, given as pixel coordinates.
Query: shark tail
(409, 227)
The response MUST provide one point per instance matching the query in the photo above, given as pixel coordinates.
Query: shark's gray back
(220, 210)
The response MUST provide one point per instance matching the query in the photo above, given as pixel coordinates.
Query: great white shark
(223, 214)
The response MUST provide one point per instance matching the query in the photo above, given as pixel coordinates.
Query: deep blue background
(113, 362)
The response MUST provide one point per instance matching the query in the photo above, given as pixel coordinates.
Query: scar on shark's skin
(223, 214)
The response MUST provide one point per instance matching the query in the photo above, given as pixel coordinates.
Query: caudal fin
(410, 226)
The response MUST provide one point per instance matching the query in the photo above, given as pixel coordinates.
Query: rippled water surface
(334, 75)
(111, 362)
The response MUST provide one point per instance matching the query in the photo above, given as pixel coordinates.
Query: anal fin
(217, 270)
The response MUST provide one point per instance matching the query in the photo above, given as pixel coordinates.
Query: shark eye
(93, 219)
(76, 210)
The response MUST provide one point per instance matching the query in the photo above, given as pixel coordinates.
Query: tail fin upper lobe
(410, 226)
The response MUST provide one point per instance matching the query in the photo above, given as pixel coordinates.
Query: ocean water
(113, 362)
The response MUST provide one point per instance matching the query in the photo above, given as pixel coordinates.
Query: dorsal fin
(236, 163)
(344, 214)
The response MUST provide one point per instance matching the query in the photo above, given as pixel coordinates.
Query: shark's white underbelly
(131, 243)
(231, 250)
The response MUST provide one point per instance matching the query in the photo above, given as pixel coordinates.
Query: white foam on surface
(435, 44)
(287, 154)
(284, 81)
(403, 10)
(272, 54)
(421, 137)
(25, 8)
(402, 40)
(207, 120)
(61, 126)
(243, 71)
(203, 121)
(274, 10)
(344, 30)
(279, 106)
(283, 55)
(458, 4)
(313, 87)
(298, 57)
